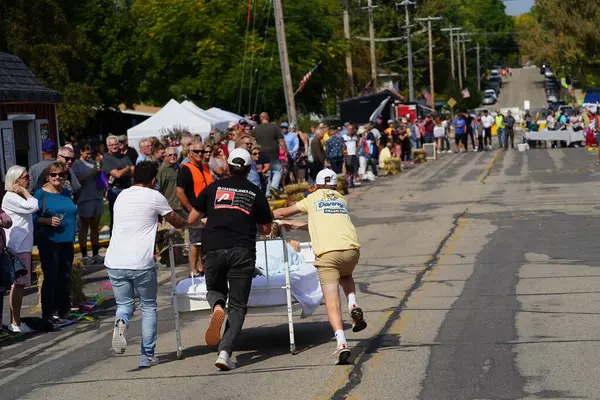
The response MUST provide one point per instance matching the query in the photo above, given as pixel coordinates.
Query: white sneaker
(342, 354)
(23, 328)
(147, 362)
(87, 260)
(119, 341)
(224, 362)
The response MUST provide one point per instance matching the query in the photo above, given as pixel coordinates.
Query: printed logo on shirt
(235, 199)
(331, 204)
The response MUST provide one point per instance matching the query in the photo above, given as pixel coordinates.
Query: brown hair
(56, 165)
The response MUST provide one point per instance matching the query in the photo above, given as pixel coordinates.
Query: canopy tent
(229, 116)
(172, 115)
(220, 124)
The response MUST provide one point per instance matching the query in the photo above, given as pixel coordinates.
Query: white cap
(241, 154)
(408, 116)
(232, 124)
(327, 177)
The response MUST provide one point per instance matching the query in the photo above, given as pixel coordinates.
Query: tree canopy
(101, 53)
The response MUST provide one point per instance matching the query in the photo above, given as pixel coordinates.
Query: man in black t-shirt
(119, 170)
(233, 208)
(270, 138)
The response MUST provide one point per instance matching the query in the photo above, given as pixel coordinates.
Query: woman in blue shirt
(56, 222)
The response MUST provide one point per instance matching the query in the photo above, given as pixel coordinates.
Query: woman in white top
(438, 132)
(19, 204)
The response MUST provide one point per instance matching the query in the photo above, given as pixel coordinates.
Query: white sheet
(567, 135)
(304, 282)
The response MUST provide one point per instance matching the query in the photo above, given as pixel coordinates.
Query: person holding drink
(55, 222)
(90, 204)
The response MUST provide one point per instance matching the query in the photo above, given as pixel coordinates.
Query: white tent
(218, 123)
(229, 116)
(170, 116)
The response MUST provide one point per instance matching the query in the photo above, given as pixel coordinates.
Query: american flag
(397, 86)
(427, 96)
(368, 88)
(465, 93)
(306, 78)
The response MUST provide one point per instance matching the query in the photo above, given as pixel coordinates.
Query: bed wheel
(179, 354)
(293, 349)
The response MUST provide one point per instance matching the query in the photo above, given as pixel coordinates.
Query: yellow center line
(487, 170)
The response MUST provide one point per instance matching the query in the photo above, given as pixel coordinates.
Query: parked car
(552, 99)
(491, 92)
(489, 99)
(496, 78)
(494, 86)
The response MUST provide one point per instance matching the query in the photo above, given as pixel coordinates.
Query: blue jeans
(125, 283)
(500, 135)
(275, 173)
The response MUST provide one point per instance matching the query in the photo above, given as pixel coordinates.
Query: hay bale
(392, 166)
(77, 295)
(420, 156)
(342, 185)
(295, 197)
(296, 188)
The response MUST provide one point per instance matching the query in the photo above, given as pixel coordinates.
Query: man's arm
(286, 212)
(294, 225)
(185, 202)
(175, 220)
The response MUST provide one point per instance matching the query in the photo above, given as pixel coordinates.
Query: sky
(518, 7)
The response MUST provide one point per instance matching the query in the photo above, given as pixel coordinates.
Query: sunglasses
(67, 159)
(57, 174)
(199, 151)
(172, 155)
(256, 154)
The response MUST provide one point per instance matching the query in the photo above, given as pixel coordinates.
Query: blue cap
(284, 124)
(48, 146)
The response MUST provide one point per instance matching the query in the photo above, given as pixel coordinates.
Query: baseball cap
(284, 125)
(327, 177)
(239, 158)
(48, 146)
(243, 122)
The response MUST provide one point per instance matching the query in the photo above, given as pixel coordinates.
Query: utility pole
(451, 30)
(349, 53)
(478, 69)
(464, 43)
(411, 84)
(431, 73)
(288, 89)
(460, 76)
(372, 45)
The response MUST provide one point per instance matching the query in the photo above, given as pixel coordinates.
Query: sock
(340, 337)
(351, 301)
(95, 249)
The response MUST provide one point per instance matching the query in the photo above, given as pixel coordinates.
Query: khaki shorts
(335, 264)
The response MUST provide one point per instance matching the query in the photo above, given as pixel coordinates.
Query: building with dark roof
(27, 114)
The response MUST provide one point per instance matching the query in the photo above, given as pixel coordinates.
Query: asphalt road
(525, 84)
(478, 277)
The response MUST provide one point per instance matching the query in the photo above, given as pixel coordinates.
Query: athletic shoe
(342, 354)
(147, 362)
(87, 260)
(98, 259)
(213, 333)
(23, 328)
(119, 341)
(358, 321)
(224, 362)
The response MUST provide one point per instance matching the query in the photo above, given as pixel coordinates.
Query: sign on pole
(451, 102)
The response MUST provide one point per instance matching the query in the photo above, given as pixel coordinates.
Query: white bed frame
(184, 303)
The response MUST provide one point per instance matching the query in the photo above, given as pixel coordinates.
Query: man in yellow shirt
(335, 244)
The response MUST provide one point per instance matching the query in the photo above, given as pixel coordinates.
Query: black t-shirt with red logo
(234, 207)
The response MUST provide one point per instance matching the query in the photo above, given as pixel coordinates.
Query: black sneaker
(358, 321)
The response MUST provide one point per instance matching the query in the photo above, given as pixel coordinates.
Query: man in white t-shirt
(350, 141)
(487, 121)
(130, 257)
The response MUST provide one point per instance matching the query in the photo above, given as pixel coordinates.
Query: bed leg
(175, 302)
(288, 291)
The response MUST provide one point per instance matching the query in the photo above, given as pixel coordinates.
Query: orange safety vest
(201, 177)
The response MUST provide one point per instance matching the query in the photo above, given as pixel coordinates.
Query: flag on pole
(427, 96)
(306, 78)
(368, 88)
(397, 86)
(465, 93)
